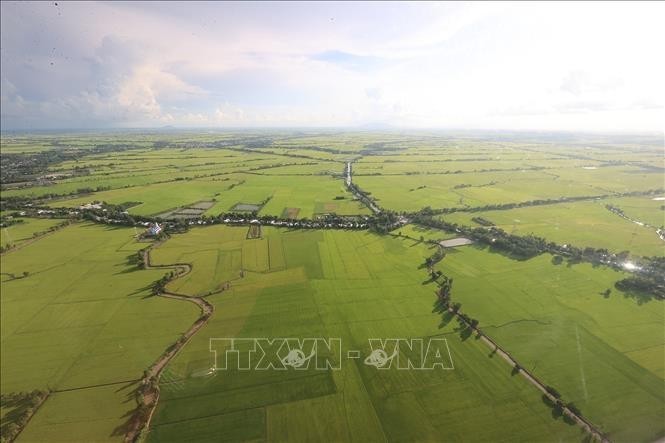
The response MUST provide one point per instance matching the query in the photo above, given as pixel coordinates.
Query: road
(367, 201)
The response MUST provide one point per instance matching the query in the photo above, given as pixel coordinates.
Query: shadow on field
(557, 410)
(14, 409)
(130, 397)
(464, 330)
(131, 265)
(639, 297)
(432, 279)
(503, 253)
(147, 288)
(446, 318)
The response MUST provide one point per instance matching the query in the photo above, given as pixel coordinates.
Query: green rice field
(80, 319)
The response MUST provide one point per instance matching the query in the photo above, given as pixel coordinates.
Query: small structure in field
(88, 206)
(454, 242)
(153, 230)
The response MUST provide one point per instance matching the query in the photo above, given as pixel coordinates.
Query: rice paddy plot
(353, 286)
(580, 224)
(603, 352)
(82, 316)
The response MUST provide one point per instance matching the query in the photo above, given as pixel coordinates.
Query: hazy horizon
(553, 67)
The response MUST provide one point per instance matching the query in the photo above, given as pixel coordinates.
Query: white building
(154, 230)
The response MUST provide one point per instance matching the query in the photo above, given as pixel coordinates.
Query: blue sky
(545, 66)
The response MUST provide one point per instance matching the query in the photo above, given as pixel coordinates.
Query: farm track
(531, 378)
(25, 425)
(150, 397)
(659, 232)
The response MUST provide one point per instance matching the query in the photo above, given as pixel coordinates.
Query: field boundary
(148, 391)
(27, 422)
(535, 381)
(30, 241)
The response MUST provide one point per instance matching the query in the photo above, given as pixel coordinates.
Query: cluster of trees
(140, 259)
(615, 209)
(159, 286)
(550, 201)
(6, 222)
(520, 247)
(436, 257)
(384, 222)
(22, 406)
(483, 221)
(14, 202)
(445, 289)
(646, 284)
(558, 404)
(364, 196)
(115, 214)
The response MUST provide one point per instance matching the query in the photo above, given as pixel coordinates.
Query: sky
(567, 66)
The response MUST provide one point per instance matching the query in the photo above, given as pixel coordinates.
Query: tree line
(21, 406)
(538, 202)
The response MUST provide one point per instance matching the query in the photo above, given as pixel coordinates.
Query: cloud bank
(550, 66)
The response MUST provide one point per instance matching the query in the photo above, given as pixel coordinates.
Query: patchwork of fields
(79, 318)
(354, 286)
(604, 353)
(581, 224)
(81, 325)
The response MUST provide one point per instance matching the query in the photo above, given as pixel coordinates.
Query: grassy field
(604, 353)
(351, 285)
(81, 319)
(581, 224)
(311, 194)
(650, 210)
(416, 232)
(20, 232)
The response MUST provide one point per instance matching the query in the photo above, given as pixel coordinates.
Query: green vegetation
(26, 229)
(351, 285)
(581, 224)
(604, 352)
(82, 318)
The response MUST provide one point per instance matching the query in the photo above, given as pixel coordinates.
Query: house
(91, 206)
(154, 230)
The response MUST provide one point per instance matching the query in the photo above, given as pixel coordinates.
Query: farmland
(557, 321)
(331, 285)
(262, 226)
(580, 223)
(79, 321)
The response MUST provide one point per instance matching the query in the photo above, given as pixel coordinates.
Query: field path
(578, 418)
(150, 381)
(348, 180)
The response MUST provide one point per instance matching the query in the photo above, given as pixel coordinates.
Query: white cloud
(507, 65)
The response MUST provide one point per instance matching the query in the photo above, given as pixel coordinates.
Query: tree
(25, 274)
(553, 392)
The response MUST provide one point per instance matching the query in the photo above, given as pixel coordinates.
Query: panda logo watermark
(282, 354)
